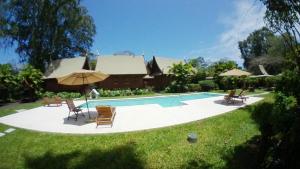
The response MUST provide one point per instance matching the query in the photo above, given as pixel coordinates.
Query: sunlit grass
(159, 148)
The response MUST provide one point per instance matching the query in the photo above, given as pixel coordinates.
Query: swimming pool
(164, 101)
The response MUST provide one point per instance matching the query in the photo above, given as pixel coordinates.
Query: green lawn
(257, 91)
(12, 107)
(218, 146)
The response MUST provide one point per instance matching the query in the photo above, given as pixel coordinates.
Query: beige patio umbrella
(235, 72)
(82, 77)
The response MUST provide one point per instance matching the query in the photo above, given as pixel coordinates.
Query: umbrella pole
(87, 105)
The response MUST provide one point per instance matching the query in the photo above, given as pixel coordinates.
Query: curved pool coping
(158, 96)
(127, 119)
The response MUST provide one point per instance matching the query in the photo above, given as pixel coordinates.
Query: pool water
(164, 101)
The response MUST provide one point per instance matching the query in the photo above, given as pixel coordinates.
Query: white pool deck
(128, 118)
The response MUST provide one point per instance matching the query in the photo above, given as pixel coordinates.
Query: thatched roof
(235, 72)
(62, 67)
(165, 63)
(121, 64)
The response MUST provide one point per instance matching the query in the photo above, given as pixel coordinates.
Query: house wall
(115, 82)
(160, 82)
(53, 86)
(122, 82)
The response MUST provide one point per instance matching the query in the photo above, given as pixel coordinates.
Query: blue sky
(173, 28)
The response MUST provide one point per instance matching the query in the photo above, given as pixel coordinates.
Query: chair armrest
(77, 109)
(113, 109)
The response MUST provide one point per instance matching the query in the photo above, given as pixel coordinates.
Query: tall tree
(283, 16)
(256, 45)
(221, 66)
(198, 62)
(44, 30)
(181, 76)
(279, 123)
(273, 59)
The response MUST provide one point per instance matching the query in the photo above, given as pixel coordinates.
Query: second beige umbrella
(235, 72)
(82, 77)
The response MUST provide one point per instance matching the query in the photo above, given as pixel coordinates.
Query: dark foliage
(262, 47)
(120, 157)
(207, 85)
(25, 84)
(255, 45)
(244, 156)
(181, 74)
(44, 30)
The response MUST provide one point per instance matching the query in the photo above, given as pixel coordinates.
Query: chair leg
(76, 114)
(69, 115)
(82, 114)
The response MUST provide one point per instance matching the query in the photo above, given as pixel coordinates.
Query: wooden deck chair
(73, 108)
(241, 96)
(52, 101)
(106, 115)
(229, 98)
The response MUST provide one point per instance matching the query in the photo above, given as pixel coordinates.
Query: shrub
(181, 74)
(48, 94)
(8, 83)
(31, 81)
(277, 121)
(199, 75)
(123, 92)
(175, 87)
(228, 83)
(271, 82)
(262, 115)
(251, 83)
(207, 85)
(194, 87)
(283, 112)
(168, 89)
(69, 95)
(289, 84)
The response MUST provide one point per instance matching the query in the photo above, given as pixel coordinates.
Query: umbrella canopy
(235, 72)
(82, 77)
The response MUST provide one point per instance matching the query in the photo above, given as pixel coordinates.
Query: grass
(257, 91)
(12, 107)
(160, 148)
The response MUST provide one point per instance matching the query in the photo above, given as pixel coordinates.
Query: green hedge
(207, 85)
(124, 92)
(63, 95)
(102, 92)
(194, 87)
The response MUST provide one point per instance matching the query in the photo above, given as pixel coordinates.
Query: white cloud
(246, 17)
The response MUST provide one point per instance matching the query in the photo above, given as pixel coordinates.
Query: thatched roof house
(162, 65)
(62, 67)
(125, 71)
(121, 65)
(159, 68)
